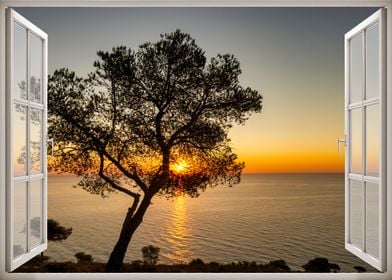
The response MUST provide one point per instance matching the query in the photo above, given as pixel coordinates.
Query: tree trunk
(130, 225)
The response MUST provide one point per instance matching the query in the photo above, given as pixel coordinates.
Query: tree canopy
(142, 111)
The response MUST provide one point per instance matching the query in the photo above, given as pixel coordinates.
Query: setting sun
(180, 166)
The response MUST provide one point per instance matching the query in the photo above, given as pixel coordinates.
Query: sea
(295, 217)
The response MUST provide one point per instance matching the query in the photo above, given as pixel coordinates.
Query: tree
(149, 122)
(151, 254)
(56, 232)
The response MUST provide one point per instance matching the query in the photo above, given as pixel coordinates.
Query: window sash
(380, 100)
(31, 250)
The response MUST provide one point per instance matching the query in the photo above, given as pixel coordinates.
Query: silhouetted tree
(56, 232)
(126, 126)
(150, 254)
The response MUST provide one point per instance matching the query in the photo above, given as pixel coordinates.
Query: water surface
(295, 217)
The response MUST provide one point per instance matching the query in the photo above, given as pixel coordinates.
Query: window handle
(340, 141)
(51, 141)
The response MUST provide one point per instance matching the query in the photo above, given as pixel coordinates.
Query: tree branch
(112, 183)
(102, 150)
(195, 115)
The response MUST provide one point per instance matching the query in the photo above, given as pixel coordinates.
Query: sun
(180, 166)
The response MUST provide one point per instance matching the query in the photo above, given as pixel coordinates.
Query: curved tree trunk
(130, 225)
(134, 219)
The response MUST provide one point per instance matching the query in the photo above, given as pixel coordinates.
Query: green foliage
(56, 232)
(82, 257)
(151, 255)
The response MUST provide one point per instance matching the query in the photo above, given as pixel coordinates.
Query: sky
(293, 56)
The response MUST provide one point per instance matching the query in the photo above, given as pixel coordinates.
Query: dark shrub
(151, 255)
(196, 262)
(56, 232)
(320, 265)
(280, 265)
(359, 269)
(60, 267)
(334, 267)
(83, 257)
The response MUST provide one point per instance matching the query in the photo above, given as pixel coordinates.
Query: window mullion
(28, 163)
(364, 138)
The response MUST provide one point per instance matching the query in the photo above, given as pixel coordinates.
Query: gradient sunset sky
(293, 56)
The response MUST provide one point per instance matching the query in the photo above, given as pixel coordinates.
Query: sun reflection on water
(178, 232)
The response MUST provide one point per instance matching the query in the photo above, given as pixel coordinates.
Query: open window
(365, 129)
(26, 150)
(365, 186)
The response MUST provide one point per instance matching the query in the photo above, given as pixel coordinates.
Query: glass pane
(356, 213)
(20, 219)
(372, 219)
(35, 222)
(19, 130)
(19, 63)
(372, 62)
(35, 141)
(356, 141)
(372, 140)
(356, 69)
(35, 68)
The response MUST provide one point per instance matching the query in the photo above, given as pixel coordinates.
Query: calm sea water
(294, 217)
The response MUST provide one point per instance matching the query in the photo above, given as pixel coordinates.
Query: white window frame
(15, 18)
(379, 263)
(184, 3)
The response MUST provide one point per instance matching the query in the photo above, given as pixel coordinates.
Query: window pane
(356, 141)
(36, 220)
(36, 141)
(372, 62)
(19, 63)
(20, 219)
(35, 68)
(356, 69)
(356, 213)
(372, 219)
(372, 140)
(19, 143)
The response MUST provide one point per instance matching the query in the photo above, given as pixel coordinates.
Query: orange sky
(292, 138)
(293, 163)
